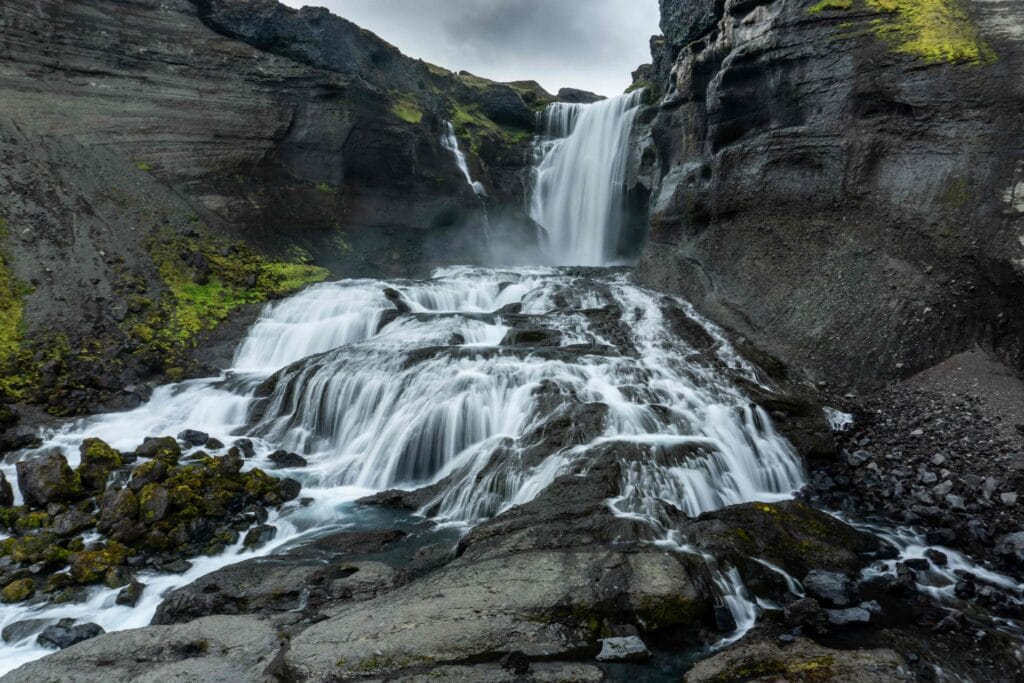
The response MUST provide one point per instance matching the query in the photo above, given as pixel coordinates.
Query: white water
(451, 143)
(369, 418)
(578, 185)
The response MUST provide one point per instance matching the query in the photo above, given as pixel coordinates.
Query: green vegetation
(12, 304)
(201, 297)
(407, 108)
(473, 126)
(823, 5)
(144, 166)
(19, 590)
(326, 187)
(933, 30)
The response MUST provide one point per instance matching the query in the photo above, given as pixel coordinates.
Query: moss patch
(823, 5)
(933, 30)
(19, 590)
(208, 278)
(407, 109)
(18, 372)
(474, 127)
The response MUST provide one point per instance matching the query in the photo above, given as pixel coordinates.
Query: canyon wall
(841, 181)
(166, 162)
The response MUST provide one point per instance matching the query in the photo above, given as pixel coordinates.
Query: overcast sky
(589, 44)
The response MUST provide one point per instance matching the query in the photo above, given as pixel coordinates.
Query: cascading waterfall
(451, 143)
(578, 185)
(440, 395)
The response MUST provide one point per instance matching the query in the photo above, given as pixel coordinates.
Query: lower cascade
(481, 385)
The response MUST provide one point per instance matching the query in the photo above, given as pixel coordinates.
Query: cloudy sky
(589, 44)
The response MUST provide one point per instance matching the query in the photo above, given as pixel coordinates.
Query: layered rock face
(127, 125)
(842, 181)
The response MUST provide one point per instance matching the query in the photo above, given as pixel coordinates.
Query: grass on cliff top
(933, 30)
(472, 125)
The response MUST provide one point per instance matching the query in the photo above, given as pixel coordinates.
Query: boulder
(17, 591)
(212, 649)
(833, 588)
(20, 630)
(72, 522)
(258, 535)
(130, 594)
(193, 438)
(272, 585)
(6, 491)
(284, 459)
(801, 660)
(543, 603)
(98, 460)
(66, 633)
(163, 448)
(47, 479)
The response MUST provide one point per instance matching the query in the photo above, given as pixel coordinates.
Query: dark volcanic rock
(46, 479)
(286, 460)
(66, 633)
(808, 187)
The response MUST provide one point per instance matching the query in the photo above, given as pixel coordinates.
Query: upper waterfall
(578, 184)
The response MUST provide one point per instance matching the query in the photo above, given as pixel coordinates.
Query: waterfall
(451, 143)
(578, 180)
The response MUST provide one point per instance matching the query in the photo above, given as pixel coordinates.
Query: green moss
(33, 521)
(18, 372)
(90, 566)
(640, 85)
(473, 126)
(235, 275)
(9, 516)
(823, 5)
(19, 590)
(144, 166)
(933, 30)
(407, 108)
(326, 188)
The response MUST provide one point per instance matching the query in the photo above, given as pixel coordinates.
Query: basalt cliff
(842, 181)
(164, 164)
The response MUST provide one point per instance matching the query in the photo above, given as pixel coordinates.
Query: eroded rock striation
(841, 181)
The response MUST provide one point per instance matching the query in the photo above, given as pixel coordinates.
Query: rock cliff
(166, 162)
(841, 180)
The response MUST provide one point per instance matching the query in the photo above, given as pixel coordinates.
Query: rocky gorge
(789, 445)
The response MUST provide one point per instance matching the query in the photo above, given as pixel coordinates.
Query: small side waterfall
(578, 193)
(451, 143)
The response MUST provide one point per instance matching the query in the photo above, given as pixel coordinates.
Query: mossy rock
(790, 535)
(9, 516)
(48, 479)
(153, 503)
(33, 521)
(40, 547)
(164, 448)
(98, 461)
(18, 591)
(90, 566)
(117, 506)
(147, 473)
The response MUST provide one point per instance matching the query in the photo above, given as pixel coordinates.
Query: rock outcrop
(841, 181)
(150, 147)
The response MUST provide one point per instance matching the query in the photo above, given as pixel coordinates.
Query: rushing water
(578, 186)
(384, 400)
(451, 143)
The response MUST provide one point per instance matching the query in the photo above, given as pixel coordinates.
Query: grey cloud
(591, 44)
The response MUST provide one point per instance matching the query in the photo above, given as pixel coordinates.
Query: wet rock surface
(165, 513)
